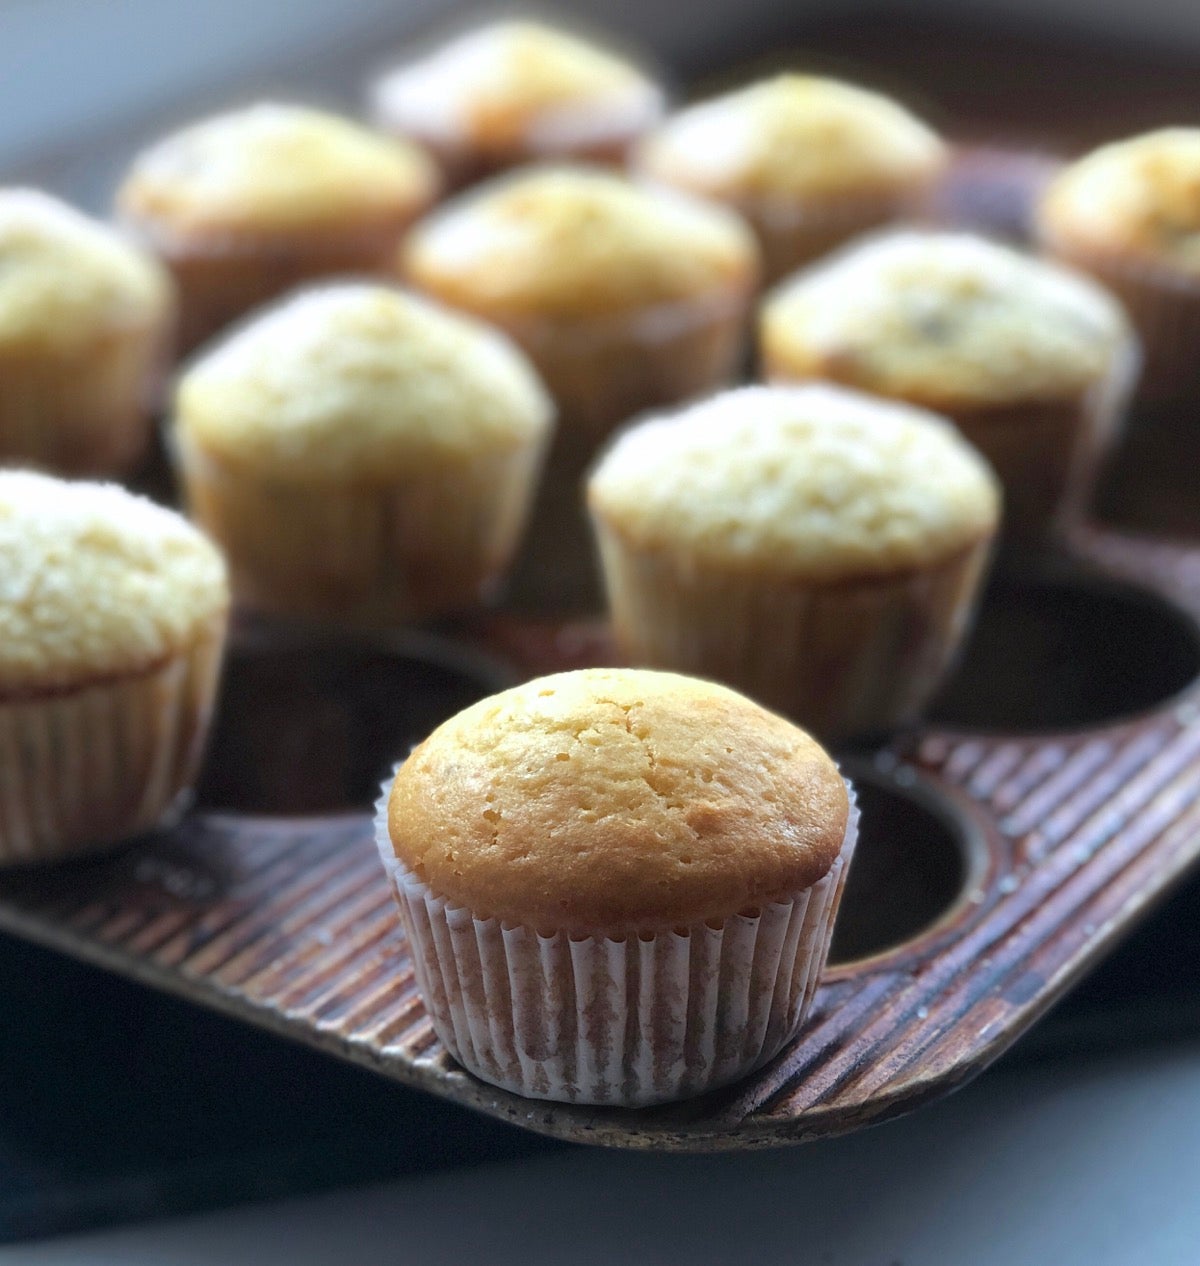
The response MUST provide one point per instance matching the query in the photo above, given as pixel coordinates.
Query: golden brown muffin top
(66, 279)
(1138, 199)
(272, 168)
(96, 583)
(945, 320)
(575, 241)
(817, 484)
(356, 380)
(613, 799)
(518, 84)
(794, 136)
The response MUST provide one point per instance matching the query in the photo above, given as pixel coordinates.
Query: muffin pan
(1008, 844)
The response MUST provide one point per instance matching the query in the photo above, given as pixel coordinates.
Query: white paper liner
(628, 1021)
(87, 768)
(845, 660)
(371, 554)
(83, 411)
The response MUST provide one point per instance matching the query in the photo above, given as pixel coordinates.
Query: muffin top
(1139, 198)
(575, 241)
(65, 278)
(357, 380)
(945, 320)
(617, 798)
(96, 583)
(814, 483)
(517, 83)
(794, 136)
(276, 169)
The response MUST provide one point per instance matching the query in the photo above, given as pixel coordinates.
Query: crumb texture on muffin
(944, 320)
(793, 135)
(617, 798)
(1138, 199)
(573, 241)
(66, 279)
(356, 380)
(96, 582)
(513, 82)
(275, 168)
(815, 483)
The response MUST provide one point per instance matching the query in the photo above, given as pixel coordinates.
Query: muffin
(623, 297)
(514, 92)
(85, 325)
(816, 548)
(361, 455)
(809, 162)
(248, 204)
(113, 615)
(1032, 362)
(618, 886)
(1129, 214)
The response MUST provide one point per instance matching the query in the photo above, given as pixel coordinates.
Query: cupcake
(85, 324)
(112, 613)
(623, 297)
(618, 886)
(1032, 362)
(1129, 214)
(809, 162)
(361, 455)
(816, 548)
(248, 204)
(514, 92)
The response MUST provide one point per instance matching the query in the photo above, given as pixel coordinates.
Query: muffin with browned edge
(810, 162)
(85, 331)
(247, 204)
(517, 91)
(112, 625)
(1032, 362)
(619, 886)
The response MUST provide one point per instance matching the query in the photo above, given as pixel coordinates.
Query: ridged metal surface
(289, 923)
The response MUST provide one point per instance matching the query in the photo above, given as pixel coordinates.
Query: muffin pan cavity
(1064, 648)
(918, 864)
(310, 725)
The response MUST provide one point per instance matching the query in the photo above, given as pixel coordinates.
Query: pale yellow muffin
(1032, 362)
(244, 205)
(1129, 213)
(650, 838)
(362, 454)
(817, 548)
(517, 91)
(112, 623)
(85, 325)
(809, 161)
(624, 298)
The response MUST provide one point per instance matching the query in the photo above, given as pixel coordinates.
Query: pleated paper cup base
(624, 1019)
(846, 659)
(90, 767)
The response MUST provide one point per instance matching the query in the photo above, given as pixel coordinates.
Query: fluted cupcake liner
(845, 659)
(222, 275)
(1163, 308)
(624, 1018)
(371, 554)
(1048, 454)
(84, 411)
(795, 232)
(89, 767)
